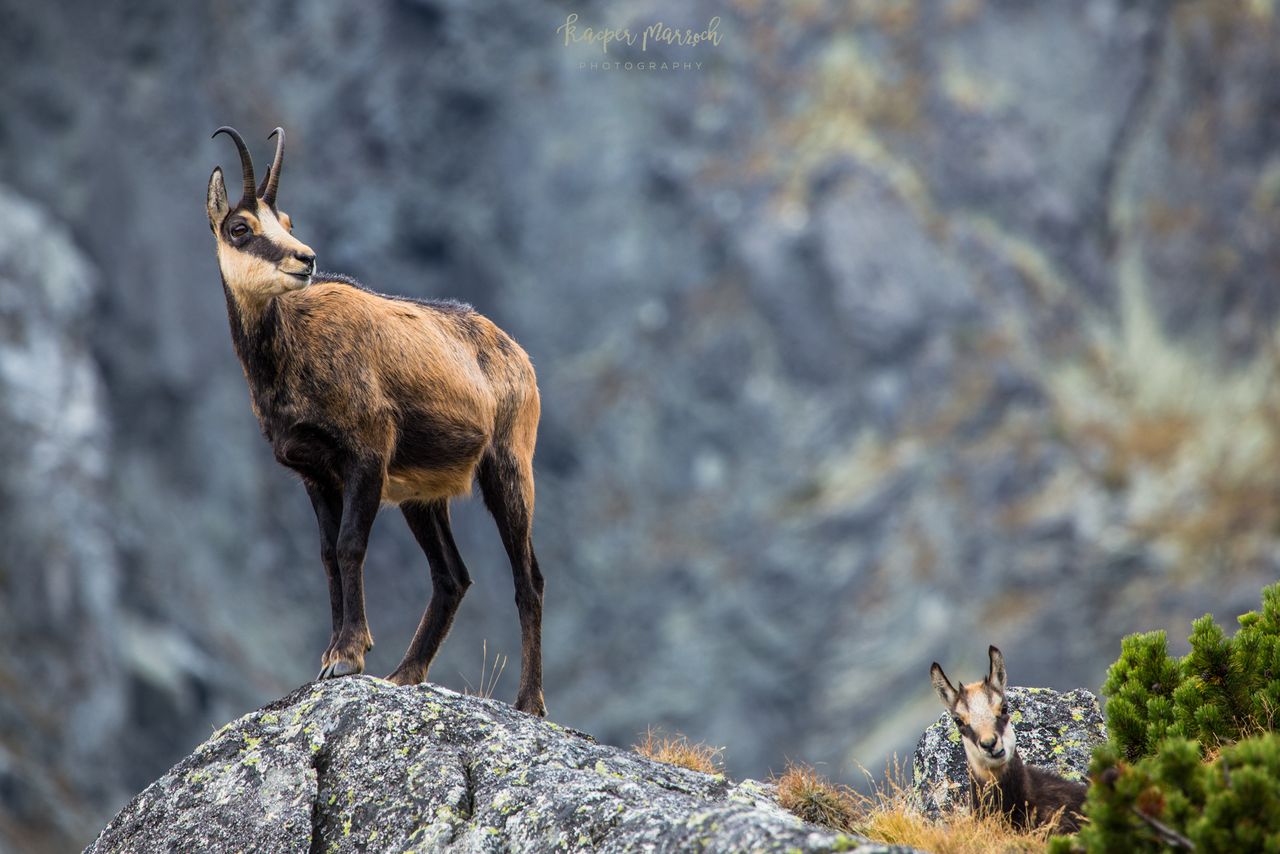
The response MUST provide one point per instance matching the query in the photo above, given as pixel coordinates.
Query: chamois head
(982, 716)
(257, 252)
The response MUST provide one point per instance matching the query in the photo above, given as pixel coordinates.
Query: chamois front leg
(361, 497)
(327, 503)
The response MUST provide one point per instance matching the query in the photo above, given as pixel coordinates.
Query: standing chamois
(1028, 796)
(379, 400)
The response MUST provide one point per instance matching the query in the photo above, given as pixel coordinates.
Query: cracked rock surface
(1055, 730)
(358, 764)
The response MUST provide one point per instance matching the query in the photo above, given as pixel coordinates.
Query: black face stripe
(262, 246)
(253, 242)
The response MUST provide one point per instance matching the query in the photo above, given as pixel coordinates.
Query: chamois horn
(262, 185)
(246, 162)
(273, 175)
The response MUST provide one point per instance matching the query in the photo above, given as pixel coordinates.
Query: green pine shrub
(1193, 756)
(1228, 804)
(1223, 690)
(1139, 691)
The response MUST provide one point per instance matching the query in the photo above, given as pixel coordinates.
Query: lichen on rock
(359, 764)
(1054, 731)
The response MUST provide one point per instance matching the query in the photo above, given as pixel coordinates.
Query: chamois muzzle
(246, 165)
(308, 265)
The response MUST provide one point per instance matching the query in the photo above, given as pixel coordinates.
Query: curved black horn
(273, 177)
(246, 162)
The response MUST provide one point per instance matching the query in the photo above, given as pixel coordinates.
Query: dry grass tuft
(678, 750)
(887, 816)
(489, 675)
(814, 798)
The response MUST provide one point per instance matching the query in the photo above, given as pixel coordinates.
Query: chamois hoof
(341, 667)
(532, 706)
(405, 677)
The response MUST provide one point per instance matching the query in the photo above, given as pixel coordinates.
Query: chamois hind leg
(362, 495)
(507, 485)
(449, 581)
(327, 503)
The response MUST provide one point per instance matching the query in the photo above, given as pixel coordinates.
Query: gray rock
(358, 764)
(1055, 730)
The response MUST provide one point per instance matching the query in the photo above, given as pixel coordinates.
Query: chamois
(374, 400)
(1028, 796)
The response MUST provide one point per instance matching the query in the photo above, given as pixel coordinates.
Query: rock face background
(1057, 731)
(895, 330)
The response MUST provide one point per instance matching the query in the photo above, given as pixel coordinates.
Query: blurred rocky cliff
(896, 329)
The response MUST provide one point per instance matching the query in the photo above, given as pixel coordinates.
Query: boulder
(358, 764)
(1055, 731)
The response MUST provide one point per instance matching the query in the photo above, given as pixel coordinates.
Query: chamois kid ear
(216, 201)
(942, 686)
(997, 676)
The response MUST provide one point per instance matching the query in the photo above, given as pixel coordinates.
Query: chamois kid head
(257, 253)
(982, 716)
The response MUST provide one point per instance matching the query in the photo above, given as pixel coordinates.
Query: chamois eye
(239, 230)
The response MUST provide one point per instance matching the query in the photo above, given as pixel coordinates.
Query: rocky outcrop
(1054, 731)
(358, 764)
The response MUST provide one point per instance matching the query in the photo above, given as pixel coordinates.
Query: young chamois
(377, 400)
(1028, 796)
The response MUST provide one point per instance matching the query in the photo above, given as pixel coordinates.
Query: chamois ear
(997, 676)
(942, 686)
(216, 201)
